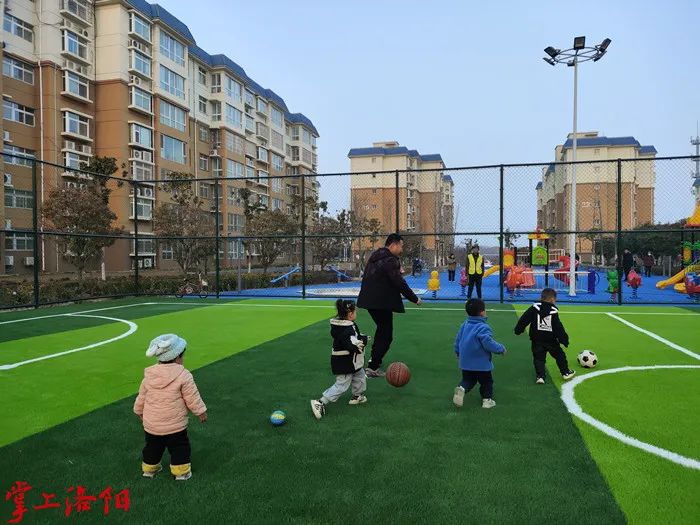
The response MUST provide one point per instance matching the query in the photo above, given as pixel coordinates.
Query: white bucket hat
(166, 347)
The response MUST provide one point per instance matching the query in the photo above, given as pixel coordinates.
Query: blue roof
(590, 142)
(447, 178)
(398, 150)
(539, 186)
(697, 182)
(647, 150)
(156, 12)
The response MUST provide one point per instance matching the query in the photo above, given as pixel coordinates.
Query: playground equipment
(691, 256)
(508, 263)
(613, 287)
(434, 283)
(692, 286)
(285, 277)
(342, 276)
(634, 281)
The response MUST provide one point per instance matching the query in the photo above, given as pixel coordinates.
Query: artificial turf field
(407, 456)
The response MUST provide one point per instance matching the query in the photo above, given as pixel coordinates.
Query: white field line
(567, 396)
(74, 313)
(132, 328)
(655, 336)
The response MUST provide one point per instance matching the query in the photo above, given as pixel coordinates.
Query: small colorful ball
(278, 418)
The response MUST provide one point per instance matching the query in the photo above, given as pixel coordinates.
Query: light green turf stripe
(648, 488)
(43, 394)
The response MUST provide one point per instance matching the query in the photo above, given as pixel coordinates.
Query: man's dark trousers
(384, 319)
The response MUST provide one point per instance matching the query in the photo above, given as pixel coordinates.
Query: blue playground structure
(285, 277)
(341, 275)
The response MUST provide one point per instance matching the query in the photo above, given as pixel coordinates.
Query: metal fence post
(500, 236)
(136, 238)
(619, 231)
(217, 255)
(303, 236)
(35, 228)
(396, 191)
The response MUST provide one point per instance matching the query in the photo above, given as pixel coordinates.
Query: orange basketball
(398, 374)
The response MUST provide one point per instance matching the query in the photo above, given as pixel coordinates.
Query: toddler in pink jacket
(166, 393)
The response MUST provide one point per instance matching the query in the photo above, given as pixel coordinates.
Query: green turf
(406, 456)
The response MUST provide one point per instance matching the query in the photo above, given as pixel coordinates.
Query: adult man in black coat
(380, 294)
(627, 264)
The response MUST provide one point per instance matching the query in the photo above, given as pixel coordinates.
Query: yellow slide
(494, 269)
(678, 278)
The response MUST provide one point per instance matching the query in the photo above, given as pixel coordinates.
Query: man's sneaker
(568, 375)
(540, 381)
(374, 373)
(184, 477)
(357, 400)
(458, 398)
(318, 408)
(152, 474)
(488, 403)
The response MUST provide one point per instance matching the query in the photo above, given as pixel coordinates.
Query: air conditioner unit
(6, 136)
(68, 24)
(147, 263)
(214, 153)
(29, 261)
(7, 179)
(85, 32)
(133, 79)
(87, 149)
(69, 144)
(9, 260)
(137, 154)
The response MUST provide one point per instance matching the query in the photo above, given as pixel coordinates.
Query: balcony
(79, 10)
(263, 132)
(140, 46)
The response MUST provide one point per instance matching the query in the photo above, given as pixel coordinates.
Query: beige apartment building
(425, 194)
(126, 79)
(596, 187)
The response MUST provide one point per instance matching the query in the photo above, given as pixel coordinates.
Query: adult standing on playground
(475, 271)
(627, 264)
(380, 294)
(648, 261)
(451, 267)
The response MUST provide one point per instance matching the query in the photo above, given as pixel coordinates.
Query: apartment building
(126, 79)
(596, 187)
(425, 196)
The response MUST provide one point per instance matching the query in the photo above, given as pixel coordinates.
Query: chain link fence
(71, 233)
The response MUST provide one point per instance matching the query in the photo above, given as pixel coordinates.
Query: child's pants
(358, 381)
(178, 445)
(539, 354)
(471, 377)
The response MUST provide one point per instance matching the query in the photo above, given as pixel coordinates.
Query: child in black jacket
(347, 359)
(547, 334)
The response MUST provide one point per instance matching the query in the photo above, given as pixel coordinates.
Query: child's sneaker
(540, 381)
(488, 403)
(458, 398)
(184, 477)
(568, 375)
(318, 408)
(374, 373)
(357, 400)
(153, 473)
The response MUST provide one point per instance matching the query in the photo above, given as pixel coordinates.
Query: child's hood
(160, 376)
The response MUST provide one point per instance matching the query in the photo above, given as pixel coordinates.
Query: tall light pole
(572, 57)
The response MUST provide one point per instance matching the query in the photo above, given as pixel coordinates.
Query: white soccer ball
(587, 359)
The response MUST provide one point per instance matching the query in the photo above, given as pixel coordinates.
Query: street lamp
(571, 57)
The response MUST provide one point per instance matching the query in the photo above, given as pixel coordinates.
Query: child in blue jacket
(474, 345)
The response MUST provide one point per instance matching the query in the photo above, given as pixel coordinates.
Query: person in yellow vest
(434, 283)
(475, 271)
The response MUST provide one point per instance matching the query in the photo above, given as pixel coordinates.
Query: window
(235, 222)
(596, 151)
(172, 82)
(228, 137)
(204, 163)
(204, 190)
(277, 140)
(142, 136)
(249, 123)
(277, 185)
(277, 162)
(75, 84)
(203, 105)
(73, 160)
(144, 210)
(140, 26)
(74, 44)
(235, 250)
(234, 169)
(171, 48)
(140, 63)
(306, 156)
(216, 83)
(172, 116)
(232, 196)
(141, 99)
(239, 145)
(17, 112)
(17, 27)
(234, 116)
(215, 110)
(249, 99)
(277, 117)
(166, 252)
(250, 172)
(233, 89)
(21, 156)
(146, 247)
(18, 198)
(141, 171)
(203, 134)
(172, 149)
(18, 70)
(262, 106)
(306, 136)
(264, 200)
(295, 132)
(202, 75)
(262, 154)
(19, 242)
(276, 204)
(76, 124)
